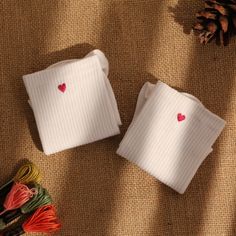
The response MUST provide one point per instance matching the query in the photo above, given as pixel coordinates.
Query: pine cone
(216, 21)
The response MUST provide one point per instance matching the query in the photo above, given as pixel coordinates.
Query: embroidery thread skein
(27, 173)
(42, 198)
(44, 220)
(17, 197)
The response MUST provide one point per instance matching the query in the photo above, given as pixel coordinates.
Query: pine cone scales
(217, 20)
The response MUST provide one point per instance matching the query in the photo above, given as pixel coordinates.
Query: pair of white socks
(74, 104)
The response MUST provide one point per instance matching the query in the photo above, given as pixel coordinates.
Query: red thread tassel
(18, 196)
(44, 220)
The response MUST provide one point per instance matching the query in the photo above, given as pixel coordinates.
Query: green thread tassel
(41, 199)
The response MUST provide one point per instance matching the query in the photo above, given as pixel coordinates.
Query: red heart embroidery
(180, 117)
(62, 87)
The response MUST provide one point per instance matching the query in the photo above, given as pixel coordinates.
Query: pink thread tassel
(18, 196)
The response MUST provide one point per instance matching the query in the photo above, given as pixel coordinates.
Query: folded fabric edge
(48, 152)
(209, 116)
(178, 187)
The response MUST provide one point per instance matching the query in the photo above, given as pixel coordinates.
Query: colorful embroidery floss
(24, 195)
(28, 172)
(44, 220)
(40, 199)
(18, 196)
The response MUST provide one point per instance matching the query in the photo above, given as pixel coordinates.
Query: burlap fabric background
(96, 191)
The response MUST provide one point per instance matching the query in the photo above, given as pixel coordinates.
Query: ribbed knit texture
(169, 149)
(85, 112)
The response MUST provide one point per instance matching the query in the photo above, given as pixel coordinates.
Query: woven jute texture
(97, 192)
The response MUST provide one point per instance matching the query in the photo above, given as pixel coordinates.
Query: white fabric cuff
(170, 135)
(73, 102)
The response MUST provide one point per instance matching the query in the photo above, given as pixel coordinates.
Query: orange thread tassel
(44, 220)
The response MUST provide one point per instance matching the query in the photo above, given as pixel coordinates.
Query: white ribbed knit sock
(170, 135)
(73, 102)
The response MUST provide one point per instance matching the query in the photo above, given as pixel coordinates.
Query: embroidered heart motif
(180, 117)
(62, 87)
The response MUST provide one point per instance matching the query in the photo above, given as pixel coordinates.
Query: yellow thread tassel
(28, 173)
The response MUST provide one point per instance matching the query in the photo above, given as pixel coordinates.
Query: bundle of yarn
(24, 198)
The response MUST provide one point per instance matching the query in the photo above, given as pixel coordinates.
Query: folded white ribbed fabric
(170, 135)
(73, 102)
